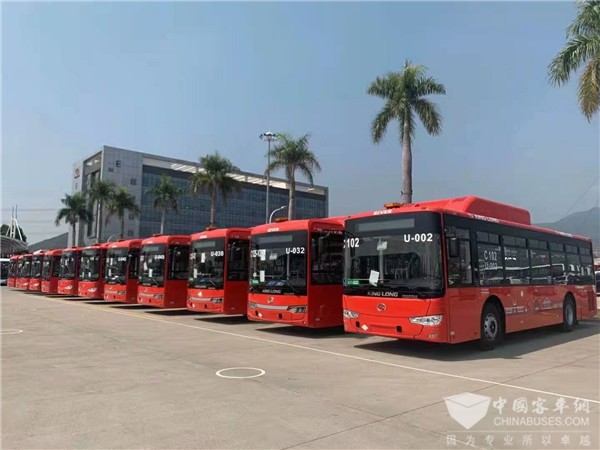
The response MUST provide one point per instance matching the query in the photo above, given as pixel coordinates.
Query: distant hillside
(59, 241)
(584, 223)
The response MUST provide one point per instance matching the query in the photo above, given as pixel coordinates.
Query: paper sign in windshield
(374, 277)
(262, 276)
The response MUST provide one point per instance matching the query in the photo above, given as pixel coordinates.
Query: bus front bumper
(398, 327)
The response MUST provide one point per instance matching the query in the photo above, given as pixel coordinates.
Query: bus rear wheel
(569, 315)
(491, 327)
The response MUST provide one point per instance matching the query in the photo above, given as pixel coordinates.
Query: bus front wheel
(569, 315)
(491, 327)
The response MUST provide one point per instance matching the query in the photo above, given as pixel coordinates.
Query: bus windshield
(152, 261)
(207, 263)
(399, 255)
(278, 262)
(25, 268)
(68, 263)
(89, 268)
(36, 266)
(46, 266)
(116, 265)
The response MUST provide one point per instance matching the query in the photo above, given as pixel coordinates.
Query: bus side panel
(236, 297)
(131, 290)
(464, 305)
(175, 293)
(325, 306)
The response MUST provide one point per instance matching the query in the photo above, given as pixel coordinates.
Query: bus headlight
(350, 314)
(217, 300)
(92, 289)
(251, 305)
(158, 296)
(297, 309)
(428, 321)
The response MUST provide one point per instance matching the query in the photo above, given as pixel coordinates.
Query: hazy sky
(185, 79)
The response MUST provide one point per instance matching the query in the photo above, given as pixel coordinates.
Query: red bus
(50, 269)
(296, 270)
(68, 274)
(91, 271)
(35, 280)
(23, 271)
(462, 269)
(12, 271)
(163, 275)
(122, 263)
(218, 278)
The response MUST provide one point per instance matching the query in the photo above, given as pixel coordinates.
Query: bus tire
(569, 314)
(491, 326)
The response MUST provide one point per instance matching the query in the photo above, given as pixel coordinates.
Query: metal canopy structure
(10, 246)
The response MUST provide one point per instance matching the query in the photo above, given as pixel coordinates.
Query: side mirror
(453, 248)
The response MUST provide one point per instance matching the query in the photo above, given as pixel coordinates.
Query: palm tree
(166, 194)
(405, 96)
(100, 192)
(292, 155)
(120, 202)
(582, 47)
(215, 177)
(75, 210)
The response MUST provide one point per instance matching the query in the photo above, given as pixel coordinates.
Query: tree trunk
(292, 203)
(123, 226)
(162, 220)
(99, 237)
(406, 166)
(213, 206)
(73, 241)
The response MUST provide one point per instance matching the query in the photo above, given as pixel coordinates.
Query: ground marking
(318, 350)
(260, 373)
(10, 331)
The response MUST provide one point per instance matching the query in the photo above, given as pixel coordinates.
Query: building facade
(139, 171)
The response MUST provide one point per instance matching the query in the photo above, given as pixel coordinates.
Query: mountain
(59, 241)
(583, 223)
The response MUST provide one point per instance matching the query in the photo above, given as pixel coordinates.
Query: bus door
(325, 278)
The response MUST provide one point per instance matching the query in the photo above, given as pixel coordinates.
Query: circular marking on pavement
(241, 371)
(10, 331)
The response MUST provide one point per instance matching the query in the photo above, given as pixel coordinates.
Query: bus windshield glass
(396, 256)
(207, 262)
(25, 269)
(89, 268)
(152, 261)
(46, 266)
(36, 266)
(278, 262)
(68, 263)
(116, 266)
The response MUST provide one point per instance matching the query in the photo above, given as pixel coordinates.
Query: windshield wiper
(288, 282)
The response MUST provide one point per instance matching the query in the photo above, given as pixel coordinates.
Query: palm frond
(381, 121)
(571, 57)
(430, 115)
(587, 22)
(589, 89)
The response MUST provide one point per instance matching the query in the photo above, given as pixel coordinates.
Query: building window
(129, 233)
(110, 169)
(131, 216)
(133, 181)
(118, 163)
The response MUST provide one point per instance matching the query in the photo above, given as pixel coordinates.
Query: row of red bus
(444, 271)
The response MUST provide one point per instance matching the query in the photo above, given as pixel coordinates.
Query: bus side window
(134, 260)
(460, 267)
(179, 256)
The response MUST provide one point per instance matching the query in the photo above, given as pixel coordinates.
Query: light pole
(269, 137)
(274, 211)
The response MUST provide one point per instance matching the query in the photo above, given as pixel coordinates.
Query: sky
(186, 79)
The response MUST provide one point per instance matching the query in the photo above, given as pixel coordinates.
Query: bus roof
(167, 239)
(222, 232)
(54, 252)
(72, 249)
(129, 243)
(295, 225)
(474, 208)
(95, 246)
(39, 252)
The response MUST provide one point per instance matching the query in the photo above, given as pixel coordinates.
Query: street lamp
(274, 211)
(269, 137)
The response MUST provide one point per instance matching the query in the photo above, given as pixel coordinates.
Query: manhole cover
(240, 372)
(10, 331)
